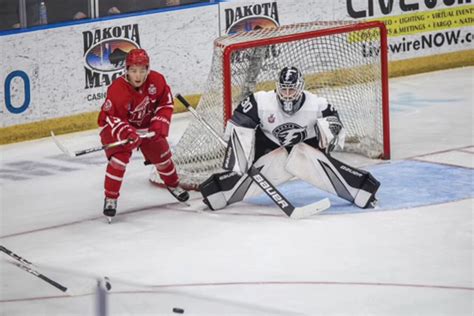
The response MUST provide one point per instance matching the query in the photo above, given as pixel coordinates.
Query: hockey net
(341, 61)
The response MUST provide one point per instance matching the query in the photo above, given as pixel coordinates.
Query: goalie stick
(29, 267)
(65, 150)
(279, 199)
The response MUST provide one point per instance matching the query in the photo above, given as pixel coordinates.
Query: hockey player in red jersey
(140, 101)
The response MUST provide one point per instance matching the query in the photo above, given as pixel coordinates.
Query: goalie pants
(303, 162)
(155, 151)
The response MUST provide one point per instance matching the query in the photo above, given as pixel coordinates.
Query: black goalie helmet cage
(289, 89)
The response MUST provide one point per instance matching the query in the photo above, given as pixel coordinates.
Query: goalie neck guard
(289, 89)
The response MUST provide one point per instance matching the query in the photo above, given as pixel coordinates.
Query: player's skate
(179, 193)
(110, 208)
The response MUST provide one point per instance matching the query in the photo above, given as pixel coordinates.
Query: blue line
(107, 18)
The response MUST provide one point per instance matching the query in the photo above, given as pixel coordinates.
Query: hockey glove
(335, 125)
(328, 129)
(240, 150)
(134, 140)
(160, 125)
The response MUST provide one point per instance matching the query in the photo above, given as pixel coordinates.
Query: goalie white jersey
(263, 110)
(283, 146)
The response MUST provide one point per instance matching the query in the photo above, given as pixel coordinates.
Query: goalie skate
(110, 208)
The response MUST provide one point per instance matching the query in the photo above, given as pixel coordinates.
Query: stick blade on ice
(311, 209)
(61, 146)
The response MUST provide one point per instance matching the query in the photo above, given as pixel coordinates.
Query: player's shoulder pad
(248, 105)
(317, 102)
(155, 76)
(321, 102)
(118, 83)
(246, 113)
(262, 97)
(118, 87)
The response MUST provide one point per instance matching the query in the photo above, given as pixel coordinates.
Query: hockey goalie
(286, 133)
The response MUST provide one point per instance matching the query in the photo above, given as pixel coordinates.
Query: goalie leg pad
(362, 180)
(367, 192)
(225, 188)
(328, 174)
(272, 167)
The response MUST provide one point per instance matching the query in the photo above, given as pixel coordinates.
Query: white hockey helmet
(289, 89)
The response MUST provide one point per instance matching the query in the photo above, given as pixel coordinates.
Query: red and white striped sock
(114, 177)
(167, 172)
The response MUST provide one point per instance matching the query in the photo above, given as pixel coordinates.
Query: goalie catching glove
(330, 132)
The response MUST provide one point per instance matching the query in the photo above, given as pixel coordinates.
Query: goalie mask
(289, 89)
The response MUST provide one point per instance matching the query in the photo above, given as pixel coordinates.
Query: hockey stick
(65, 150)
(267, 187)
(28, 267)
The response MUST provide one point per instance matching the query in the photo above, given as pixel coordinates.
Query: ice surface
(413, 255)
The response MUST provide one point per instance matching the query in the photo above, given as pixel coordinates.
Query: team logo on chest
(152, 89)
(139, 112)
(289, 134)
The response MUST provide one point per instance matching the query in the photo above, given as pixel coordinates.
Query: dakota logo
(105, 51)
(271, 191)
(253, 16)
(109, 55)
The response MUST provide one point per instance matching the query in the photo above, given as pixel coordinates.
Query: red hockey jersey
(137, 107)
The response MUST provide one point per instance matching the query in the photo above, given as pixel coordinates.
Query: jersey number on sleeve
(246, 105)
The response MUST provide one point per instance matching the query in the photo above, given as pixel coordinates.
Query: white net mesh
(338, 63)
